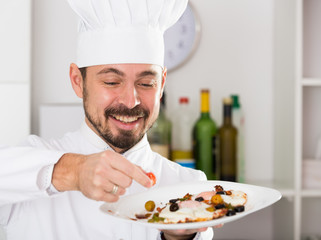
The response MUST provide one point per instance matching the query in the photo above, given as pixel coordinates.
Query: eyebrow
(147, 73)
(111, 70)
(120, 73)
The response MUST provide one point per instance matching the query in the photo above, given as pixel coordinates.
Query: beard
(124, 139)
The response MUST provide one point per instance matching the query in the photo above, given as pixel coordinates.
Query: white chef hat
(124, 31)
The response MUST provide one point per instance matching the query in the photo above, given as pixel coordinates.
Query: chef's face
(121, 101)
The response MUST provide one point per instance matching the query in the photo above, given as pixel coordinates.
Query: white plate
(128, 206)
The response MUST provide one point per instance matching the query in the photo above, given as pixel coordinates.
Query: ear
(164, 74)
(76, 80)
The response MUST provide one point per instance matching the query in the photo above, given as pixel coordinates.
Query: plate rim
(276, 197)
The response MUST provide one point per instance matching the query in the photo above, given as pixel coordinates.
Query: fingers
(184, 231)
(219, 226)
(173, 234)
(114, 189)
(131, 170)
(105, 176)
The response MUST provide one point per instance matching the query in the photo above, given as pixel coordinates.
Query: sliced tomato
(152, 177)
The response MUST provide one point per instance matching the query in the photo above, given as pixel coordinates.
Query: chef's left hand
(182, 234)
(185, 234)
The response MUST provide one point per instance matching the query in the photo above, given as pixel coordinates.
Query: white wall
(234, 56)
(54, 39)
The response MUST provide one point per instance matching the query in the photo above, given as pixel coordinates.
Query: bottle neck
(205, 104)
(227, 112)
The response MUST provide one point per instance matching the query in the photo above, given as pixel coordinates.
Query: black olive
(173, 200)
(174, 207)
(219, 188)
(219, 206)
(199, 199)
(239, 209)
(221, 193)
(230, 212)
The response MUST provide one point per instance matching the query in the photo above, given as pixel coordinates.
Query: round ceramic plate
(127, 207)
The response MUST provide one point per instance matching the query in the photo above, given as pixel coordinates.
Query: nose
(129, 97)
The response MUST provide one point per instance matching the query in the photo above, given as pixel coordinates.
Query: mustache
(125, 111)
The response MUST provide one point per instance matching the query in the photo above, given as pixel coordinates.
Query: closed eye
(111, 83)
(147, 82)
(148, 85)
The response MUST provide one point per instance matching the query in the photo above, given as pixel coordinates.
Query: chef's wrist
(65, 172)
(167, 236)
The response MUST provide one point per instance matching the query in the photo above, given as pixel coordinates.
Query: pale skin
(113, 86)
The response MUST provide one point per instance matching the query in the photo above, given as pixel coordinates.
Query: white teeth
(126, 119)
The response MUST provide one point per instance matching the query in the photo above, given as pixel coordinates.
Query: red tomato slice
(152, 177)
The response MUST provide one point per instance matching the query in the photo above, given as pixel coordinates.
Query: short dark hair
(83, 72)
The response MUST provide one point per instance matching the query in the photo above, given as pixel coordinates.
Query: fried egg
(237, 198)
(189, 211)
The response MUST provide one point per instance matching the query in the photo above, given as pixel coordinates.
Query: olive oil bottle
(204, 132)
(227, 139)
(239, 122)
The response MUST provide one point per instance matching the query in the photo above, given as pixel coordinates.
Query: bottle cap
(205, 100)
(235, 99)
(205, 90)
(183, 100)
(227, 101)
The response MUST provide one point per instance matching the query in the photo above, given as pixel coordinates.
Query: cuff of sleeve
(51, 190)
(45, 176)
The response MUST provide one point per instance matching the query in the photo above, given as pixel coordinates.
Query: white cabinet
(15, 109)
(297, 116)
(15, 41)
(15, 62)
(307, 115)
(15, 65)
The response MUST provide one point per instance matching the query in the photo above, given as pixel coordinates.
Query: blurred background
(266, 51)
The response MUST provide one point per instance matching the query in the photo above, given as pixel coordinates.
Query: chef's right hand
(96, 175)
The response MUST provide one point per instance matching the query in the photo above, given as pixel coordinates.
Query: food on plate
(152, 177)
(236, 198)
(199, 207)
(150, 206)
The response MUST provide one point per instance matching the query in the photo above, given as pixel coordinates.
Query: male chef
(53, 189)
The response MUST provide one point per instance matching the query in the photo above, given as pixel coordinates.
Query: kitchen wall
(235, 55)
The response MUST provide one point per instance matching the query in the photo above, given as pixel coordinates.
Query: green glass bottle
(239, 122)
(227, 138)
(204, 132)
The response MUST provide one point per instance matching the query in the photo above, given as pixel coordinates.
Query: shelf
(311, 118)
(311, 193)
(311, 82)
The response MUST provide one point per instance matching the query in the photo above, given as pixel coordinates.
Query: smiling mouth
(126, 119)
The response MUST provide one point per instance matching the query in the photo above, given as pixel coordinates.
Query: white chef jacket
(30, 207)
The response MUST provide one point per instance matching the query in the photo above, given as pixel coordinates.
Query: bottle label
(161, 149)
(177, 154)
(190, 163)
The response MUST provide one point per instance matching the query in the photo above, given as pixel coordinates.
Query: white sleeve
(26, 172)
(208, 234)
